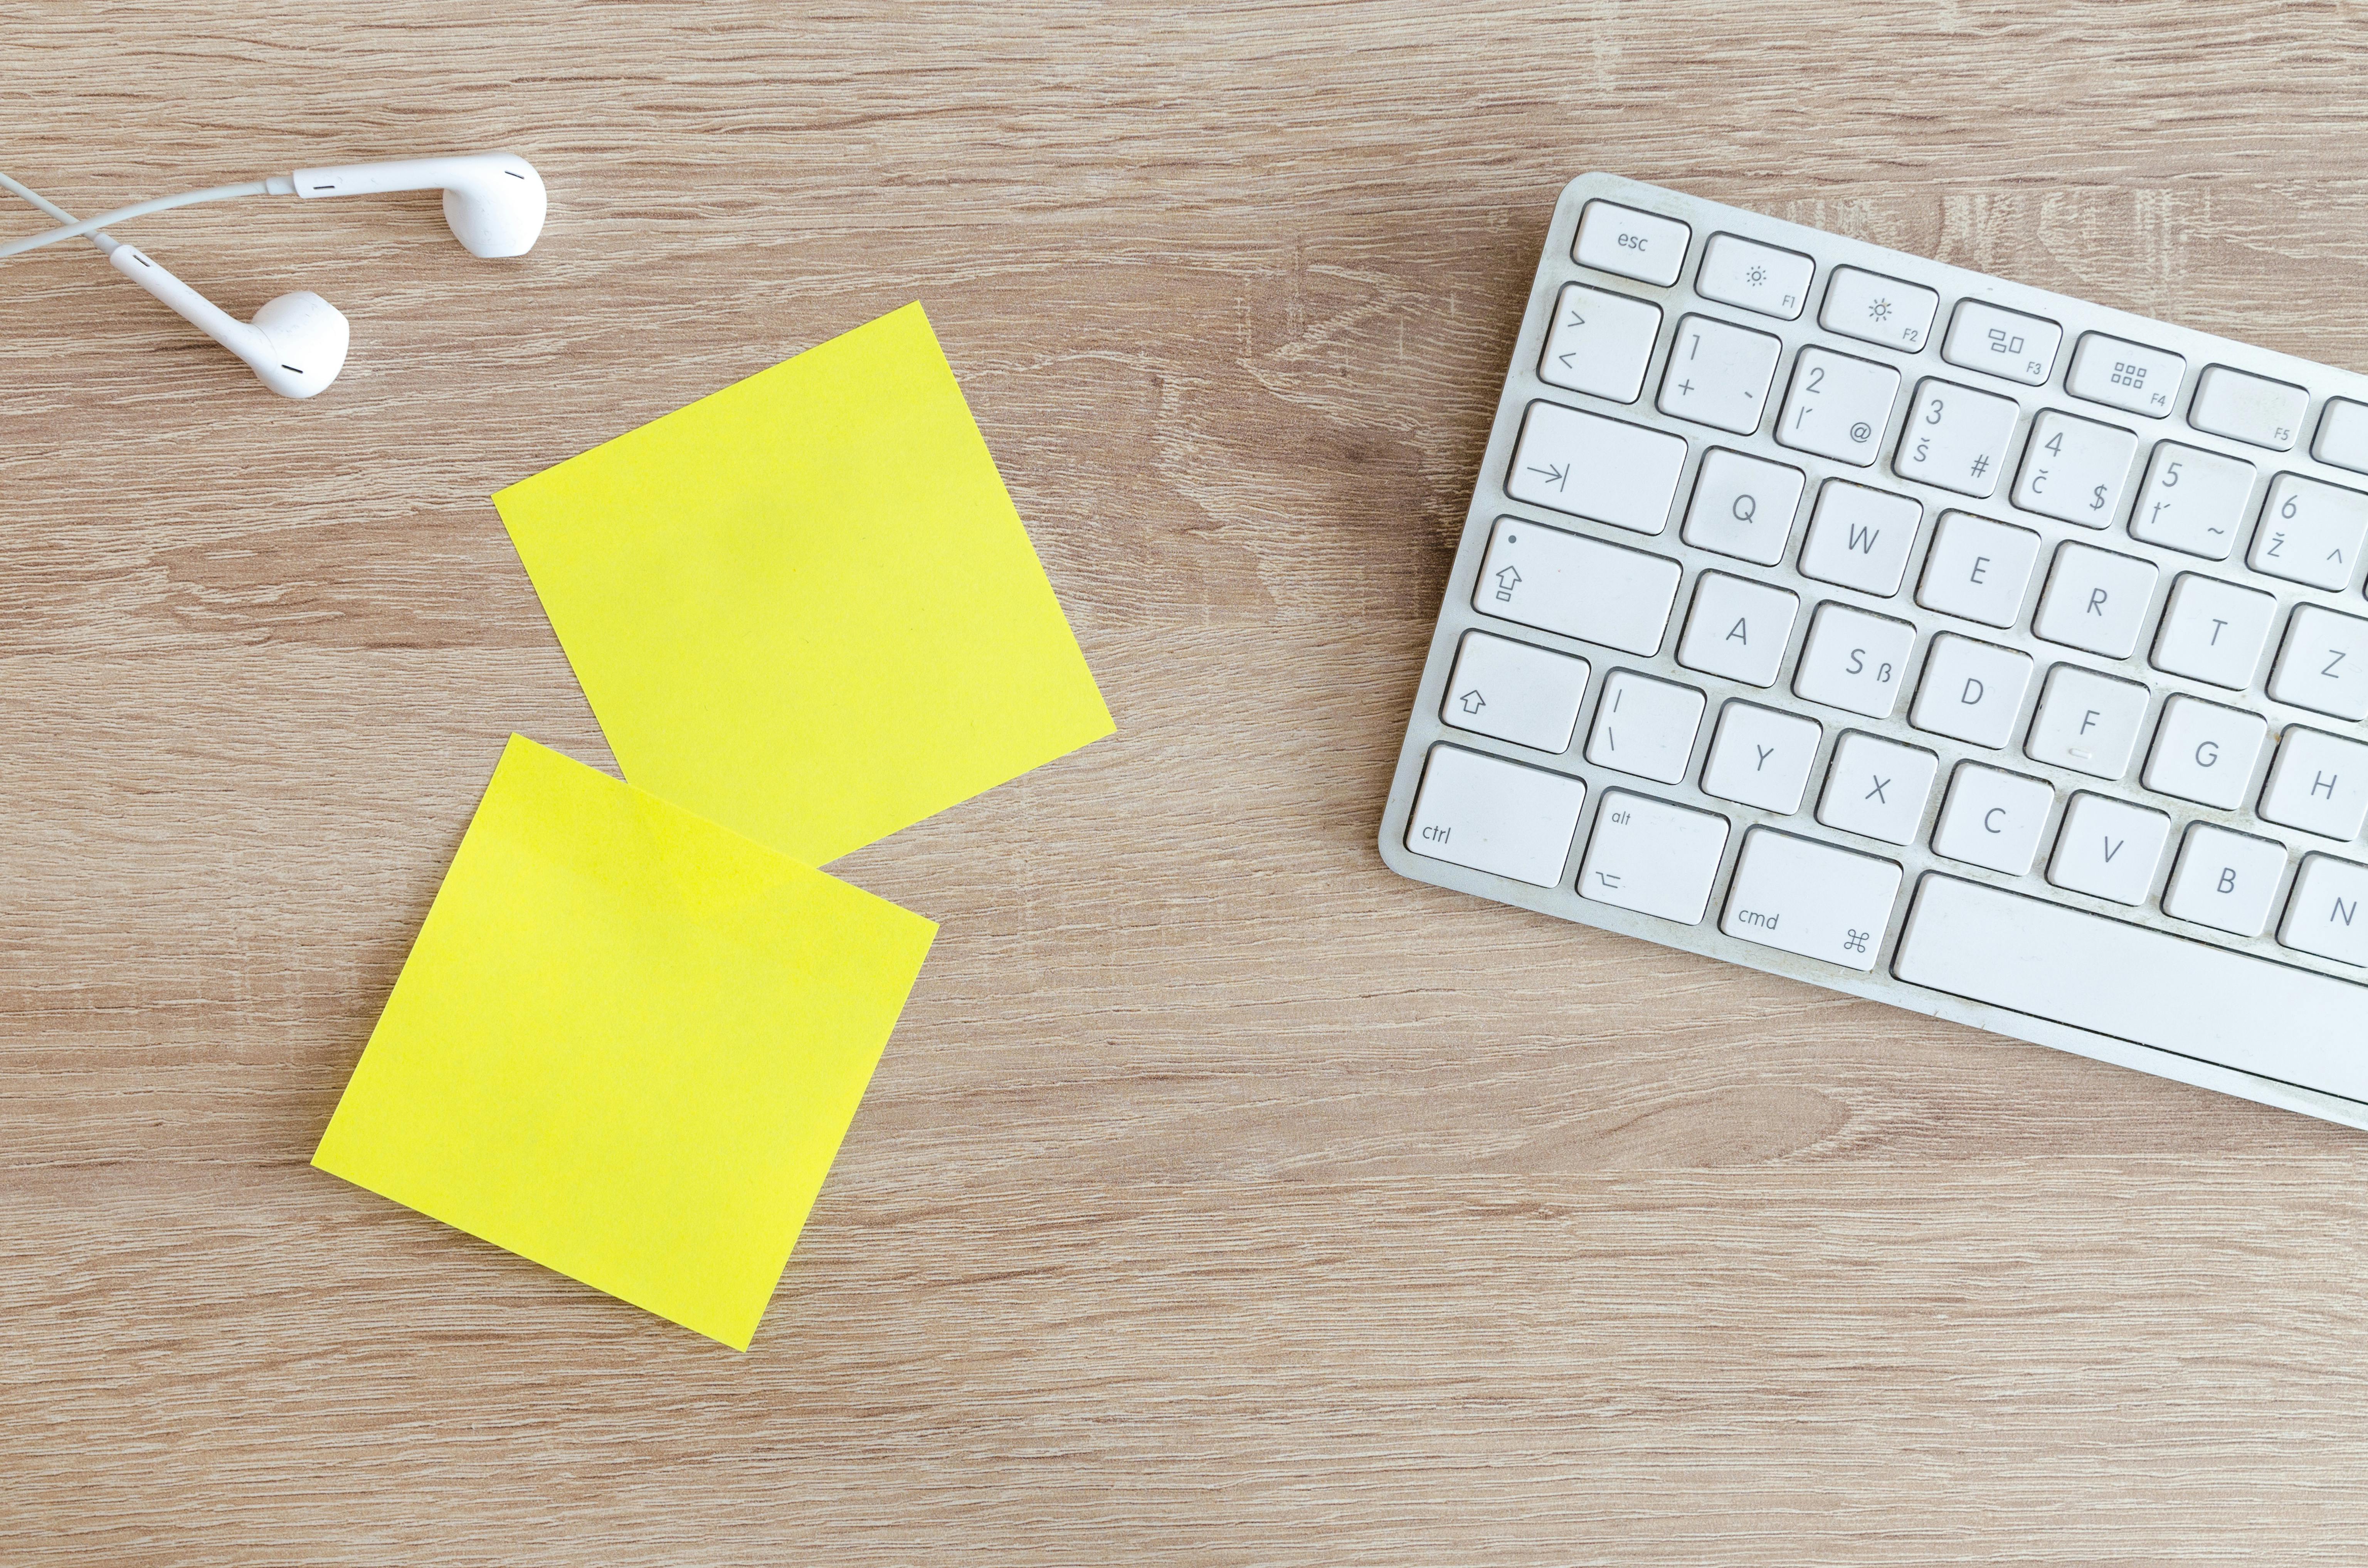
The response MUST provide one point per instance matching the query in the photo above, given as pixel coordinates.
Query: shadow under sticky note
(805, 607)
(627, 1044)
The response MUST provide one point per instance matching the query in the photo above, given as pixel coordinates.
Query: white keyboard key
(2108, 848)
(1742, 506)
(1718, 374)
(1993, 818)
(2192, 500)
(2132, 983)
(1515, 692)
(2343, 435)
(1978, 568)
(2088, 723)
(2323, 914)
(1761, 758)
(2095, 599)
(1644, 726)
(1579, 587)
(1854, 661)
(1876, 309)
(1860, 538)
(2126, 375)
(1837, 407)
(2226, 881)
(2074, 470)
(2319, 784)
(1606, 470)
(2213, 631)
(1956, 437)
(1971, 690)
(1642, 245)
(1653, 857)
(2204, 753)
(1877, 788)
(2005, 343)
(2310, 532)
(1736, 271)
(1601, 343)
(1738, 629)
(1811, 899)
(2323, 664)
(1496, 816)
(2252, 409)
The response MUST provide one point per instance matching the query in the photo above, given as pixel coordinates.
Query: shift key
(1811, 899)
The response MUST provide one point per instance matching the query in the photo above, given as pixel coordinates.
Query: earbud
(494, 201)
(296, 344)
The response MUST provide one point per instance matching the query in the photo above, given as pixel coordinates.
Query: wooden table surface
(1223, 1198)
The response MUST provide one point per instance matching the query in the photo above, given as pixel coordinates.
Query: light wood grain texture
(1222, 1198)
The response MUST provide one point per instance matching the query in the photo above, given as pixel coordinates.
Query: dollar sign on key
(2098, 503)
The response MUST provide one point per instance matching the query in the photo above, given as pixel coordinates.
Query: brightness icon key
(1876, 309)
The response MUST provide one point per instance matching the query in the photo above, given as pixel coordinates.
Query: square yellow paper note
(626, 1044)
(805, 607)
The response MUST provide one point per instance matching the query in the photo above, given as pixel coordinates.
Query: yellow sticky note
(626, 1044)
(805, 607)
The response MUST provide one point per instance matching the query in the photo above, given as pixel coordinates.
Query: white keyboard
(1920, 636)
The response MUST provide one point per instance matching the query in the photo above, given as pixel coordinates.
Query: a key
(1496, 816)
(1652, 857)
(2343, 435)
(1606, 470)
(1956, 437)
(1642, 245)
(1644, 726)
(1993, 818)
(2192, 500)
(2136, 984)
(1761, 758)
(2204, 753)
(1971, 690)
(2226, 881)
(1876, 309)
(2121, 374)
(2323, 913)
(1601, 343)
(1877, 788)
(1978, 568)
(2213, 631)
(1718, 374)
(2309, 532)
(2323, 664)
(1854, 661)
(1738, 629)
(1736, 271)
(1579, 587)
(2095, 599)
(2004, 343)
(2108, 848)
(1860, 537)
(1838, 405)
(2252, 409)
(2074, 470)
(1800, 896)
(1528, 695)
(2087, 721)
(1742, 506)
(2319, 784)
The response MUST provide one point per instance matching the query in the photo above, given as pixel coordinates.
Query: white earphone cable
(138, 209)
(106, 243)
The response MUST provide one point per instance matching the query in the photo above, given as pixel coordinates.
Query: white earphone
(494, 202)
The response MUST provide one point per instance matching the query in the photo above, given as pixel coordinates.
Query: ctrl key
(1494, 815)
(1812, 899)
